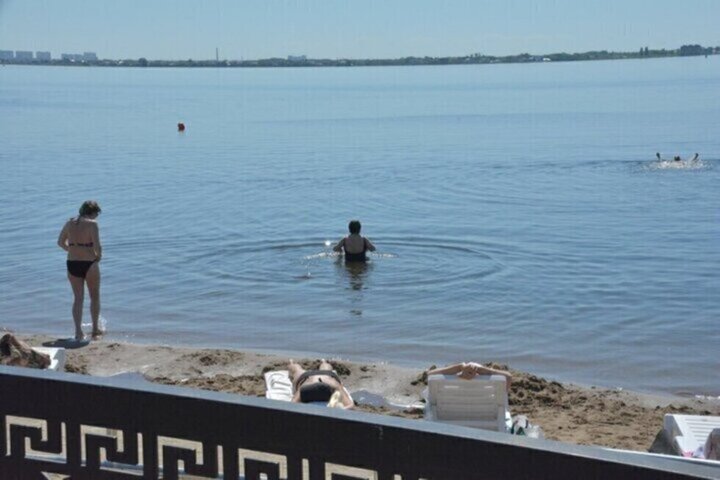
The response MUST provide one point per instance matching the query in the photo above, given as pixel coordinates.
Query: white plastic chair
(688, 432)
(480, 402)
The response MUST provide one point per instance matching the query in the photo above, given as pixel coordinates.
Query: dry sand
(568, 413)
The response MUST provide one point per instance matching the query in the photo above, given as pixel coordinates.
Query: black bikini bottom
(355, 257)
(79, 268)
(311, 373)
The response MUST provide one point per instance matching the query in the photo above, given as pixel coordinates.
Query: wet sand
(567, 413)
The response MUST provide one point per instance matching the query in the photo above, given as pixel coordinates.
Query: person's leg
(93, 283)
(295, 370)
(78, 288)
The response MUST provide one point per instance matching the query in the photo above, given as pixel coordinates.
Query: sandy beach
(567, 413)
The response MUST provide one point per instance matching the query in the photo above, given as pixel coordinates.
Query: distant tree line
(476, 58)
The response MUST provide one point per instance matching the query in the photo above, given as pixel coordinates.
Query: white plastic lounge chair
(57, 357)
(480, 402)
(688, 432)
(279, 387)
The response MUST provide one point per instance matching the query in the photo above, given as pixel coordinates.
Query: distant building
(72, 57)
(23, 55)
(688, 50)
(297, 58)
(43, 56)
(89, 56)
(7, 55)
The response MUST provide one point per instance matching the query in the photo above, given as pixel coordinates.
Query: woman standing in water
(80, 238)
(354, 245)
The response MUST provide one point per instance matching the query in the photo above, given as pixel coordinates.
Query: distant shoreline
(302, 61)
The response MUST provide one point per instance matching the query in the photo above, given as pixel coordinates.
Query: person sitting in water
(468, 370)
(354, 245)
(321, 385)
(677, 158)
(15, 352)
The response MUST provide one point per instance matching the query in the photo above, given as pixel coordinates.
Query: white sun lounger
(687, 433)
(480, 402)
(57, 357)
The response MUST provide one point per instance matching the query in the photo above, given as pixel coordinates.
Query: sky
(251, 29)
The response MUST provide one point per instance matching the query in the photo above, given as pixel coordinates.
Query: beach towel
(279, 385)
(364, 397)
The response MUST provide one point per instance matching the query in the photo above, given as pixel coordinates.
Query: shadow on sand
(67, 343)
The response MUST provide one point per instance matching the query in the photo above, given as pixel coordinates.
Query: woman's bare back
(82, 239)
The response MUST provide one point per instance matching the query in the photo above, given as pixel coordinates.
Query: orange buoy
(181, 127)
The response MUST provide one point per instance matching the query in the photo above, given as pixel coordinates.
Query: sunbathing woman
(468, 370)
(80, 238)
(317, 385)
(17, 353)
(354, 245)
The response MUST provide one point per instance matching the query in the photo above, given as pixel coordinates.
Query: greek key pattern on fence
(36, 446)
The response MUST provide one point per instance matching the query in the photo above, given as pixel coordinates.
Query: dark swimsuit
(315, 392)
(79, 268)
(356, 257)
(312, 373)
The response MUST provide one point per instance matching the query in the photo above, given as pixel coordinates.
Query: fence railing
(99, 428)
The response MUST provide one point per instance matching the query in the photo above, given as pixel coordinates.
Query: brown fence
(98, 428)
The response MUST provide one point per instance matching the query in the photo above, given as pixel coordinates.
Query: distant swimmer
(354, 245)
(677, 158)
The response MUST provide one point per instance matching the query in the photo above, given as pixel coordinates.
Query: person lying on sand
(17, 353)
(468, 370)
(321, 385)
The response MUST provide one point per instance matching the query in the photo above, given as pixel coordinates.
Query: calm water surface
(519, 212)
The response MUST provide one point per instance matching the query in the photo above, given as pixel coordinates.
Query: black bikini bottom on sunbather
(312, 373)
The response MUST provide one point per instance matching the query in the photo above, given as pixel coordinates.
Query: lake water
(519, 212)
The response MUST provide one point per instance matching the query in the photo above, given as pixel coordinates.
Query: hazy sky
(181, 29)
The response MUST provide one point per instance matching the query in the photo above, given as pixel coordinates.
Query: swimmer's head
(89, 208)
(677, 158)
(354, 227)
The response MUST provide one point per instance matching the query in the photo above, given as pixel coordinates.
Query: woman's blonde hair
(89, 207)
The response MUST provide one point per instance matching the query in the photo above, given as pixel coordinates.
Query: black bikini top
(90, 244)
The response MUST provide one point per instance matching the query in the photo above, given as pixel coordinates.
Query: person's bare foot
(97, 334)
(79, 336)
